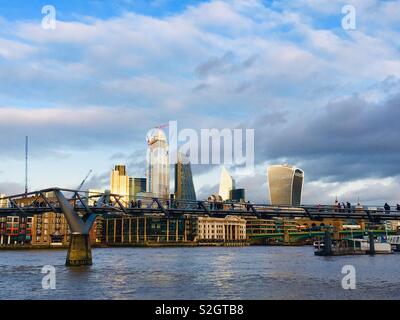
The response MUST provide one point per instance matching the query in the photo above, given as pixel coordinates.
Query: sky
(318, 96)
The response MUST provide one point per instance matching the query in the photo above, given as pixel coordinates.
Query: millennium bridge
(81, 209)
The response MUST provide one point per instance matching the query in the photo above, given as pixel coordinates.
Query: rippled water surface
(199, 273)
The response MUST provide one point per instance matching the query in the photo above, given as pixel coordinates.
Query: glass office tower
(285, 185)
(184, 187)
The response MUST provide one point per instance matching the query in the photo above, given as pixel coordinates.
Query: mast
(26, 165)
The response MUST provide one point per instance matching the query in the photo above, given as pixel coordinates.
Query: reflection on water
(199, 273)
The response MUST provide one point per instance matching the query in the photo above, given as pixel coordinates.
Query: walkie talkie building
(285, 185)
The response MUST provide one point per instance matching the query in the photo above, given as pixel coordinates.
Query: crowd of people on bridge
(349, 208)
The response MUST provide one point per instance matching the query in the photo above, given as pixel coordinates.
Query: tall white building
(120, 183)
(227, 183)
(157, 171)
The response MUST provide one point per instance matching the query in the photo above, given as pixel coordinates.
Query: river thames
(199, 273)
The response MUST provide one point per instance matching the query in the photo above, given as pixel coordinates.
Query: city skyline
(120, 183)
(221, 66)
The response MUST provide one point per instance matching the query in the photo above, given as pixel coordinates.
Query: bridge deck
(111, 204)
(265, 213)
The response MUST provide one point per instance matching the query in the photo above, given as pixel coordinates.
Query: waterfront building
(227, 183)
(156, 229)
(147, 229)
(136, 185)
(283, 225)
(285, 185)
(96, 232)
(15, 230)
(228, 229)
(50, 229)
(184, 187)
(120, 183)
(237, 195)
(47, 229)
(157, 171)
(256, 227)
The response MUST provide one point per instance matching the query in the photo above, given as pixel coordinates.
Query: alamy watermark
(208, 146)
(349, 21)
(49, 21)
(349, 280)
(49, 280)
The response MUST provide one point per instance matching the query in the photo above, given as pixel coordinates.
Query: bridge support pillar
(328, 243)
(79, 252)
(371, 243)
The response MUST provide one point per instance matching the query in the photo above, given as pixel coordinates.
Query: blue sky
(318, 96)
(72, 9)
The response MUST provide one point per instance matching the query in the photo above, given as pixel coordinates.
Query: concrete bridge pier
(80, 251)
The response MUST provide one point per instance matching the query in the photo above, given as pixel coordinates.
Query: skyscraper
(120, 183)
(237, 195)
(136, 185)
(157, 171)
(285, 185)
(184, 187)
(226, 184)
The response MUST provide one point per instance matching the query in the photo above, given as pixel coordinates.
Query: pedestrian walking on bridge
(387, 208)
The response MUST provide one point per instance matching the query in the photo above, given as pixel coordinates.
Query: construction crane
(161, 126)
(84, 180)
(150, 138)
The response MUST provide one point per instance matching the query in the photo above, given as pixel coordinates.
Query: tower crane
(84, 180)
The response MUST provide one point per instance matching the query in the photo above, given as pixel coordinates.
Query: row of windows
(219, 226)
(221, 232)
(219, 237)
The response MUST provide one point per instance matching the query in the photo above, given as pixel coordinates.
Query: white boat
(380, 247)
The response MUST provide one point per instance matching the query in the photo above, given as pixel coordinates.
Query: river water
(199, 273)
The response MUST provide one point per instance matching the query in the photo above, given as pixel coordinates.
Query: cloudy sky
(318, 96)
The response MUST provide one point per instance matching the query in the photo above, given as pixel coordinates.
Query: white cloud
(365, 191)
(13, 50)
